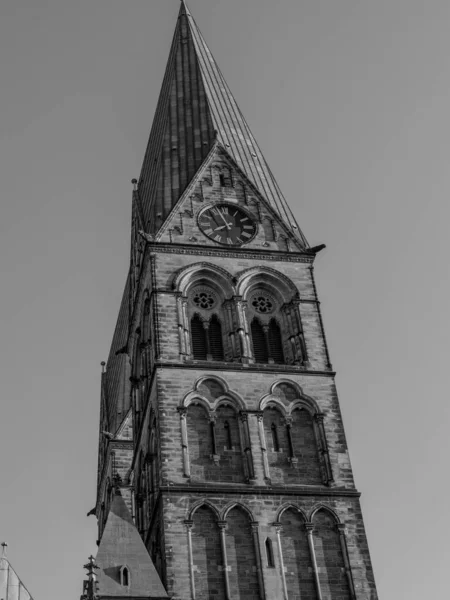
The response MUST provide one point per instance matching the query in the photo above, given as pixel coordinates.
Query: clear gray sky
(350, 102)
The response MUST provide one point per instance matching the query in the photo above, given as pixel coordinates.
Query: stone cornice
(215, 489)
(240, 253)
(224, 366)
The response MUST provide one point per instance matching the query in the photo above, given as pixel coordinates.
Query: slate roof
(121, 545)
(11, 587)
(196, 108)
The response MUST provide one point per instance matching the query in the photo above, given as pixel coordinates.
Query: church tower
(220, 428)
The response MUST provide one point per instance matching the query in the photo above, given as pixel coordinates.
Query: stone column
(279, 529)
(309, 531)
(223, 542)
(244, 338)
(184, 441)
(189, 525)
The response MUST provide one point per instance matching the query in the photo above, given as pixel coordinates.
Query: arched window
(269, 553)
(334, 577)
(215, 339)
(241, 556)
(207, 552)
(275, 443)
(260, 350)
(297, 558)
(125, 576)
(198, 334)
(229, 441)
(275, 343)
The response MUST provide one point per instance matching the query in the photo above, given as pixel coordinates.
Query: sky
(349, 102)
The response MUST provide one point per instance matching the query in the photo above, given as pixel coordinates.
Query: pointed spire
(195, 111)
(184, 9)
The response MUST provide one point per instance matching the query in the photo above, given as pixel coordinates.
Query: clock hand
(228, 225)
(221, 227)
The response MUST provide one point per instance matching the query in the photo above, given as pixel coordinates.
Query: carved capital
(260, 416)
(319, 417)
(222, 525)
(309, 528)
(278, 527)
(182, 410)
(189, 524)
(255, 526)
(342, 528)
(243, 416)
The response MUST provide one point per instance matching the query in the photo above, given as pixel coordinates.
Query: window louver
(198, 336)
(275, 343)
(215, 339)
(259, 342)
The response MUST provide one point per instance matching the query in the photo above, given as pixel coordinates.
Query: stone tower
(220, 422)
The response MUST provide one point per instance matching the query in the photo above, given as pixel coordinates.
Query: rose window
(262, 303)
(203, 299)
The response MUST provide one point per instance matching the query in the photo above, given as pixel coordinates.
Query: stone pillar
(309, 531)
(279, 529)
(184, 441)
(222, 526)
(189, 525)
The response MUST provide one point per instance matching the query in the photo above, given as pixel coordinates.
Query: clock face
(227, 224)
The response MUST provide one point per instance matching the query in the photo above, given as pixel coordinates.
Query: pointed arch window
(269, 553)
(275, 441)
(228, 440)
(215, 339)
(275, 343)
(198, 334)
(260, 350)
(125, 576)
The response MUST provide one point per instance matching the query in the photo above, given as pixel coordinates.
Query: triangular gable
(121, 546)
(181, 225)
(11, 587)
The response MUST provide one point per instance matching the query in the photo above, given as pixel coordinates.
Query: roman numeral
(217, 238)
(208, 231)
(229, 240)
(239, 240)
(224, 210)
(244, 219)
(248, 227)
(246, 234)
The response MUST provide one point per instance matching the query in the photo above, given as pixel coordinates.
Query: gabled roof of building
(11, 587)
(195, 109)
(121, 546)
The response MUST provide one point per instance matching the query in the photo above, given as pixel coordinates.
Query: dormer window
(125, 577)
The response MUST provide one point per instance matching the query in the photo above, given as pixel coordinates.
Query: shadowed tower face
(220, 419)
